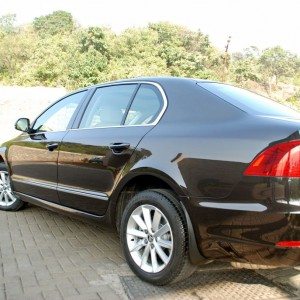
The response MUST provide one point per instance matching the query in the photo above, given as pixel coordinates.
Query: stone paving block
(2, 291)
(90, 296)
(23, 261)
(10, 267)
(66, 288)
(52, 295)
(106, 292)
(29, 280)
(79, 281)
(13, 286)
(43, 275)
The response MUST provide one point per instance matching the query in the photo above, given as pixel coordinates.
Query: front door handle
(52, 147)
(118, 148)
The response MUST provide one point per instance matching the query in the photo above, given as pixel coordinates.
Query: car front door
(93, 155)
(33, 156)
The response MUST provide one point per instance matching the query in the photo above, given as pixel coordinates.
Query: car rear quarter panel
(204, 145)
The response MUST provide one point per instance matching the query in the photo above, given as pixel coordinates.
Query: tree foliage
(279, 63)
(54, 51)
(55, 23)
(7, 23)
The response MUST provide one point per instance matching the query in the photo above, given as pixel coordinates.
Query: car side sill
(59, 208)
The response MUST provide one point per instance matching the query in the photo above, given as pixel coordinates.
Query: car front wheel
(8, 199)
(154, 238)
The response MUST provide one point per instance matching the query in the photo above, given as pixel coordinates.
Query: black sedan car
(187, 170)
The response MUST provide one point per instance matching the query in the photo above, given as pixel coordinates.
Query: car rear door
(93, 155)
(33, 156)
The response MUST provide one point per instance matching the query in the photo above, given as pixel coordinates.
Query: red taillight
(288, 244)
(280, 160)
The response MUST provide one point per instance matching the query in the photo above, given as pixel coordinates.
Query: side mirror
(23, 124)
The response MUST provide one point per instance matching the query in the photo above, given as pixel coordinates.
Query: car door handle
(52, 147)
(118, 148)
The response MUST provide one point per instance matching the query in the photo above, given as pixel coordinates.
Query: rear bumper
(247, 230)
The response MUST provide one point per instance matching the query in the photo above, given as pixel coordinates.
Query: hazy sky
(263, 23)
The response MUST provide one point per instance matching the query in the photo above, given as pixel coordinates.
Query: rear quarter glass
(249, 102)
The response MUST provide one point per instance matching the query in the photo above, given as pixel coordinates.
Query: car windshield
(248, 101)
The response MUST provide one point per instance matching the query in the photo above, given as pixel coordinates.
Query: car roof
(156, 79)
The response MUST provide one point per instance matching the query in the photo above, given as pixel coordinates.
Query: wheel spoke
(156, 220)
(147, 218)
(6, 199)
(139, 221)
(137, 233)
(163, 230)
(2, 196)
(11, 195)
(145, 255)
(139, 245)
(161, 253)
(154, 260)
(165, 244)
(3, 179)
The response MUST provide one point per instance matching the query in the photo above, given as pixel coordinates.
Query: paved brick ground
(44, 255)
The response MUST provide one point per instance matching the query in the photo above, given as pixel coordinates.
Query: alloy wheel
(7, 197)
(149, 238)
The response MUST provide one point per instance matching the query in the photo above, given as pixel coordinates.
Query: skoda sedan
(187, 171)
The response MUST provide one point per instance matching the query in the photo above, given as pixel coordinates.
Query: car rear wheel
(8, 199)
(154, 238)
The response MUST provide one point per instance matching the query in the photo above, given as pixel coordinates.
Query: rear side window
(248, 101)
(108, 106)
(145, 107)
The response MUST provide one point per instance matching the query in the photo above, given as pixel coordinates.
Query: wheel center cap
(150, 238)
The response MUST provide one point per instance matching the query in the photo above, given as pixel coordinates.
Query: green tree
(278, 63)
(94, 38)
(15, 52)
(7, 23)
(55, 23)
(186, 53)
(245, 66)
(136, 53)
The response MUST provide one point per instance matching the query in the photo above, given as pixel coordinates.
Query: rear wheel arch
(134, 183)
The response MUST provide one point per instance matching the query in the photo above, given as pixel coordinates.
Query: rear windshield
(248, 101)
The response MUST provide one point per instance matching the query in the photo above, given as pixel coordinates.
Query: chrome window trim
(158, 118)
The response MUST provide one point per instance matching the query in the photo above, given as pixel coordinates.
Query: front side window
(58, 116)
(108, 106)
(146, 106)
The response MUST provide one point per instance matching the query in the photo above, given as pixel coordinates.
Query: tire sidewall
(178, 232)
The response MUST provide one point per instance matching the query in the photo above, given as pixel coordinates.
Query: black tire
(17, 204)
(179, 266)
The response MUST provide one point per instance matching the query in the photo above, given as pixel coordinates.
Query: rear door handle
(52, 147)
(118, 148)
